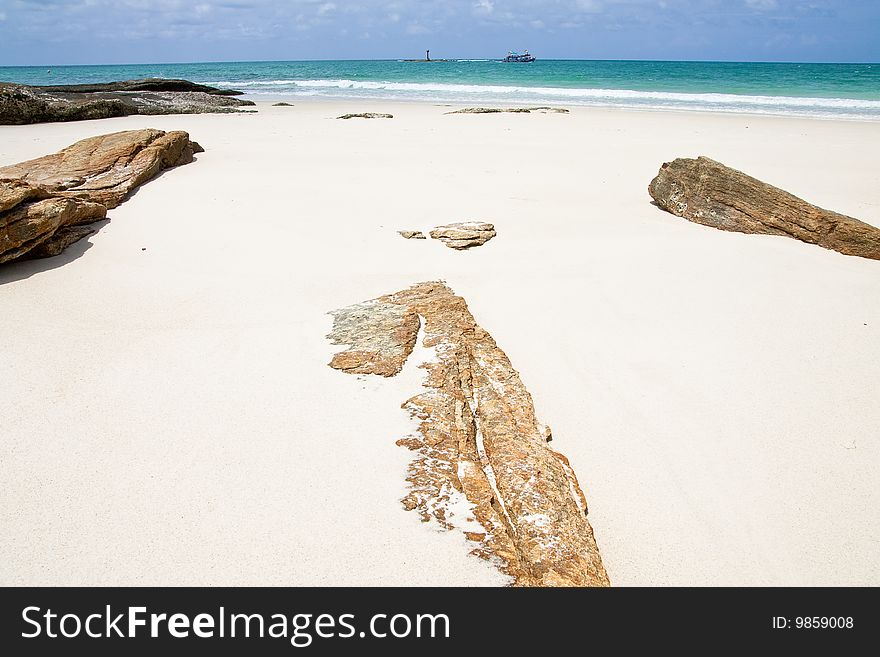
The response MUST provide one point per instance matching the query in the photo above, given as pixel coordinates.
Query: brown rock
(478, 438)
(464, 235)
(707, 192)
(412, 234)
(29, 225)
(104, 169)
(45, 202)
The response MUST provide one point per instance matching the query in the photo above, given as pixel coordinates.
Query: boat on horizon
(524, 57)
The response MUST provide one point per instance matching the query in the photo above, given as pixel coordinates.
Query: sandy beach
(169, 418)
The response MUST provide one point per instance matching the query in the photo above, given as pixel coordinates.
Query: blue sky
(43, 32)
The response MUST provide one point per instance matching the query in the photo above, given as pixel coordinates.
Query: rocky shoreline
(25, 104)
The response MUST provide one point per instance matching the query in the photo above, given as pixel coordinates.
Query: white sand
(167, 415)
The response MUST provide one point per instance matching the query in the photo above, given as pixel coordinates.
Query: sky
(56, 32)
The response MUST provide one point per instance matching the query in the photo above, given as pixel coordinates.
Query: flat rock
(22, 104)
(464, 235)
(366, 115)
(479, 449)
(143, 84)
(412, 234)
(707, 192)
(281, 105)
(46, 203)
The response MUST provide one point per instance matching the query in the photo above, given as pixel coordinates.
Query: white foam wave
(604, 97)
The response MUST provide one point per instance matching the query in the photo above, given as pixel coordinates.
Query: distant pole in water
(427, 55)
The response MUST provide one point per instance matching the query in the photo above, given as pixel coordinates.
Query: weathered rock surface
(464, 235)
(707, 192)
(20, 104)
(366, 115)
(510, 110)
(412, 234)
(46, 203)
(478, 438)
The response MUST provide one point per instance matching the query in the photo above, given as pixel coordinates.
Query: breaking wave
(437, 91)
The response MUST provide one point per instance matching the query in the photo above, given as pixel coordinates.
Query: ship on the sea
(523, 57)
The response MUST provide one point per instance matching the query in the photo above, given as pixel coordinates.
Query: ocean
(850, 91)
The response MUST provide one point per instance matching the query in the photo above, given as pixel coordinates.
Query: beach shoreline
(170, 417)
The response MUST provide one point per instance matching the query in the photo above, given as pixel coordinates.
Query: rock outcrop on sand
(21, 104)
(707, 192)
(366, 115)
(510, 110)
(46, 204)
(464, 235)
(478, 438)
(412, 234)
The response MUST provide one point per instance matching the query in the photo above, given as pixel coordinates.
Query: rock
(281, 105)
(464, 235)
(44, 203)
(28, 226)
(366, 115)
(478, 438)
(412, 234)
(707, 192)
(512, 110)
(20, 104)
(104, 169)
(145, 84)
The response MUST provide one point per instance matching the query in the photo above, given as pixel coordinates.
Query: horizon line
(448, 58)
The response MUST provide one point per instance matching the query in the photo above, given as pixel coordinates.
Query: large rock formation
(481, 451)
(21, 104)
(707, 192)
(46, 203)
(144, 84)
(464, 235)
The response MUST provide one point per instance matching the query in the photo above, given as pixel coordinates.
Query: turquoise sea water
(822, 90)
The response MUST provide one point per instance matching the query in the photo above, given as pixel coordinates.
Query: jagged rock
(464, 235)
(412, 234)
(512, 110)
(21, 104)
(478, 438)
(366, 115)
(707, 192)
(44, 203)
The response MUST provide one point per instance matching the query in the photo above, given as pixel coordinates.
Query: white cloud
(326, 8)
(762, 5)
(484, 6)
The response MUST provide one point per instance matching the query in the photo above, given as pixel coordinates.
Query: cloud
(484, 6)
(114, 30)
(762, 5)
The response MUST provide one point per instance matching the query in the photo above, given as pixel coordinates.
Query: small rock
(281, 105)
(464, 235)
(412, 234)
